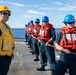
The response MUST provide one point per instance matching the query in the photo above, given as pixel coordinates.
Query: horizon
(25, 10)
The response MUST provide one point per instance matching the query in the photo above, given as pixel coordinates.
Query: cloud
(71, 0)
(1, 1)
(16, 4)
(35, 12)
(27, 16)
(58, 3)
(47, 8)
(67, 8)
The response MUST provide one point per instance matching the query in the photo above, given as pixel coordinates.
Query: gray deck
(23, 63)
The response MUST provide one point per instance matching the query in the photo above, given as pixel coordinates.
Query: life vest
(44, 32)
(68, 38)
(30, 30)
(6, 40)
(26, 29)
(36, 30)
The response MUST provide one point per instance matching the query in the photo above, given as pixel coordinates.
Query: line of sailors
(41, 41)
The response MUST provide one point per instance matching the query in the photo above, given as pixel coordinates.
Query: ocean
(19, 32)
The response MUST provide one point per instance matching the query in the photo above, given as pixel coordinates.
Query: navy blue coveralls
(47, 53)
(35, 47)
(66, 61)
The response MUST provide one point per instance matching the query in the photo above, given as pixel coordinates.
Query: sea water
(20, 33)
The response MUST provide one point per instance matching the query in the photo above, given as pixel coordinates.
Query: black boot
(36, 59)
(33, 53)
(42, 68)
(52, 72)
(26, 41)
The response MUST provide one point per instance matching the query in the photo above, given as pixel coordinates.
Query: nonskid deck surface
(23, 63)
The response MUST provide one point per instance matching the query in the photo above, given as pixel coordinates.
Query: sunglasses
(36, 22)
(4, 13)
(70, 22)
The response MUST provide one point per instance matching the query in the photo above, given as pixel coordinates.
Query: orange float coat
(36, 30)
(44, 32)
(30, 30)
(68, 38)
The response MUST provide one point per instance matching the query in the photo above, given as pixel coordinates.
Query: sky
(22, 11)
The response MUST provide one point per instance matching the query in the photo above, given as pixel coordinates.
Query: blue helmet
(25, 24)
(45, 19)
(31, 21)
(37, 20)
(28, 23)
(69, 18)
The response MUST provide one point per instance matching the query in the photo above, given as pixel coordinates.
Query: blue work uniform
(47, 53)
(66, 61)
